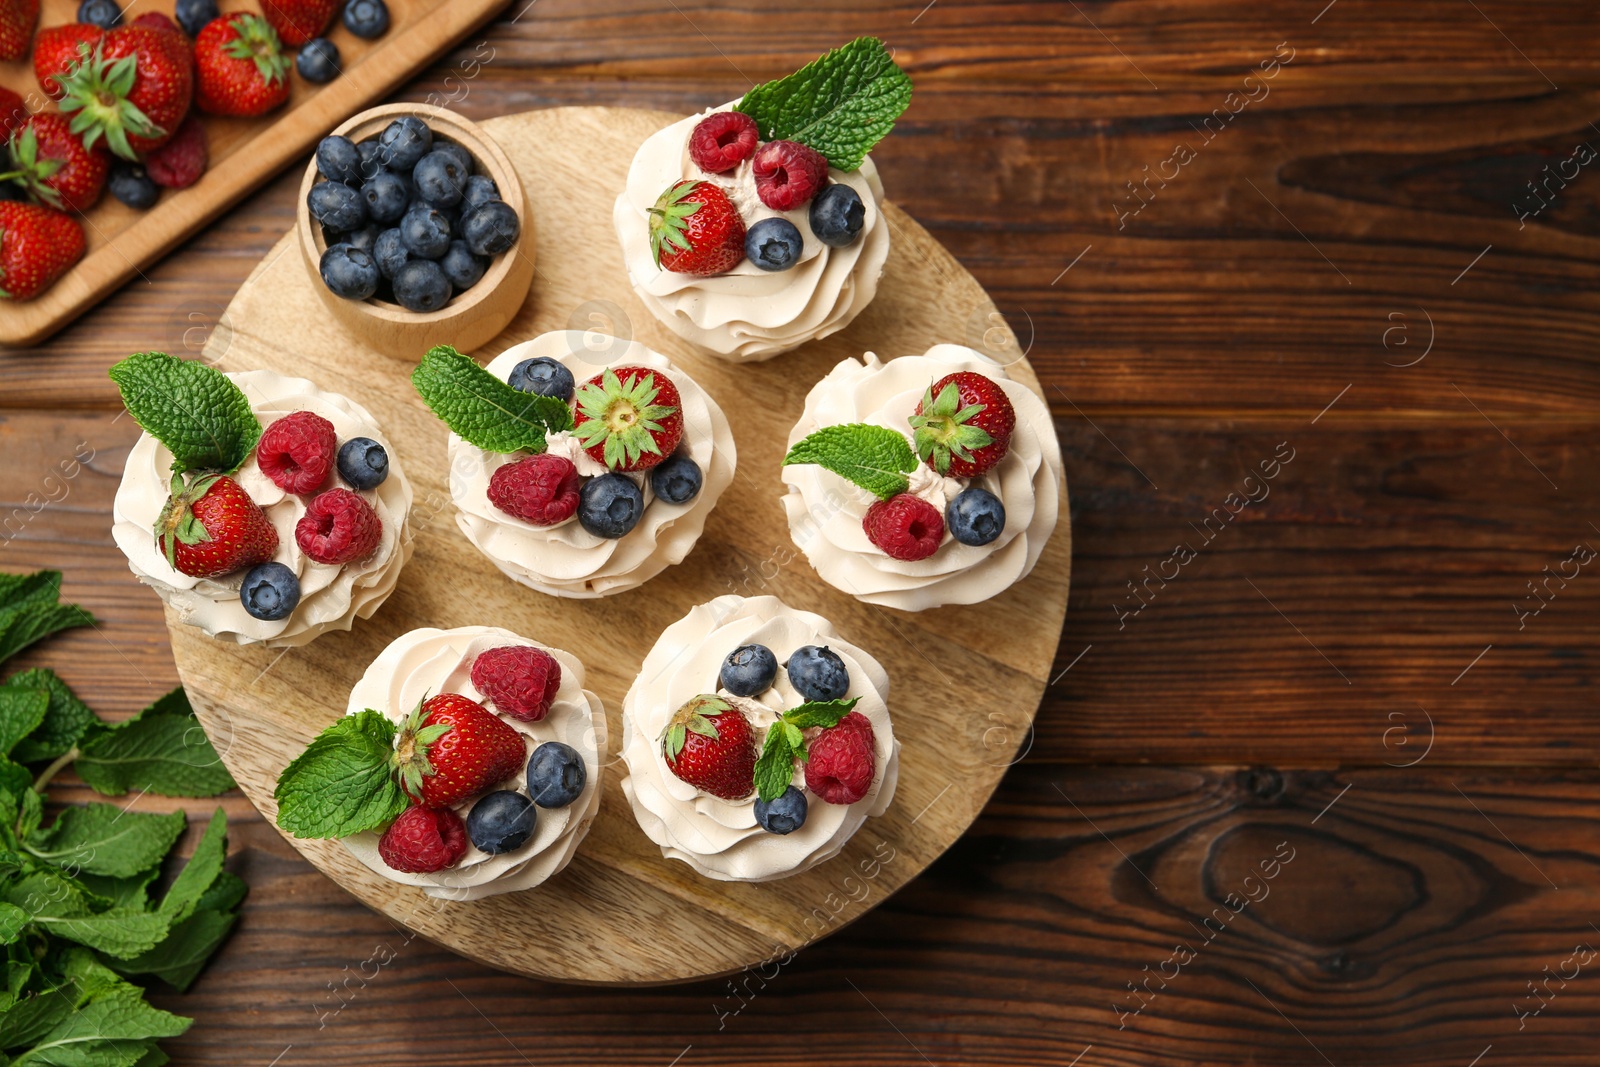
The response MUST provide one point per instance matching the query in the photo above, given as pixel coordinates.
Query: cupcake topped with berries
(924, 480)
(752, 228)
(757, 740)
(260, 507)
(468, 764)
(579, 472)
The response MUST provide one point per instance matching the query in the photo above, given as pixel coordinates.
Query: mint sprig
(343, 783)
(481, 409)
(785, 743)
(202, 418)
(874, 457)
(841, 104)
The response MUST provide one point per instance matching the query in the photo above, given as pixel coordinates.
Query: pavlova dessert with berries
(468, 764)
(924, 480)
(752, 228)
(578, 473)
(757, 740)
(260, 508)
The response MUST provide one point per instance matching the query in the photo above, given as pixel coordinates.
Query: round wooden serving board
(966, 682)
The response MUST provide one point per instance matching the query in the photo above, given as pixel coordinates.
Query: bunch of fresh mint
(80, 911)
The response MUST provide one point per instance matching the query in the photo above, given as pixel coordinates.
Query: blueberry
(349, 272)
(130, 184)
(425, 232)
(363, 238)
(491, 228)
(339, 160)
(749, 670)
(193, 15)
(103, 13)
(784, 815)
(461, 266)
(480, 189)
(836, 215)
(390, 252)
(975, 516)
(405, 140)
(463, 157)
(385, 195)
(556, 775)
(439, 178)
(818, 673)
(366, 18)
(501, 821)
(371, 157)
(544, 376)
(318, 61)
(337, 206)
(676, 479)
(270, 592)
(773, 244)
(363, 463)
(610, 505)
(421, 286)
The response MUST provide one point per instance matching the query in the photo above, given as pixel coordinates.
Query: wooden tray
(966, 682)
(244, 152)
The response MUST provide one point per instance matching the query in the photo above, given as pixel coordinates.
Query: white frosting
(825, 510)
(748, 313)
(565, 559)
(721, 838)
(332, 596)
(427, 662)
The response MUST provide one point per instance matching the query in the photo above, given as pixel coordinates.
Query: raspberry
(297, 452)
(722, 141)
(518, 680)
(540, 489)
(338, 527)
(788, 174)
(423, 840)
(906, 527)
(179, 163)
(841, 761)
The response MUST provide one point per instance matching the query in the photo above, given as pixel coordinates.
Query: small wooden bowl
(471, 318)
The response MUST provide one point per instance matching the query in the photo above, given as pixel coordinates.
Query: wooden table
(1341, 686)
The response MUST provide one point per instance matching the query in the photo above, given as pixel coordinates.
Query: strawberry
(452, 748)
(13, 112)
(37, 245)
(17, 18)
(297, 21)
(629, 418)
(133, 90)
(242, 68)
(709, 744)
(54, 167)
(963, 424)
(157, 21)
(60, 49)
(695, 229)
(211, 527)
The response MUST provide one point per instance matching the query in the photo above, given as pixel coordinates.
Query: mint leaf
(65, 721)
(132, 891)
(161, 753)
(21, 712)
(775, 768)
(40, 587)
(819, 713)
(195, 410)
(110, 1031)
(342, 783)
(224, 894)
(481, 409)
(179, 959)
(874, 457)
(200, 872)
(23, 624)
(841, 104)
(12, 920)
(119, 932)
(104, 839)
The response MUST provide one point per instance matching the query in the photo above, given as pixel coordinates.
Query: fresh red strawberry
(695, 229)
(629, 418)
(17, 18)
(60, 49)
(906, 527)
(13, 112)
(424, 840)
(177, 43)
(710, 745)
(540, 489)
(155, 20)
(297, 21)
(211, 527)
(723, 140)
(452, 748)
(519, 680)
(963, 424)
(133, 90)
(37, 245)
(242, 68)
(842, 760)
(338, 527)
(179, 163)
(297, 451)
(788, 174)
(53, 166)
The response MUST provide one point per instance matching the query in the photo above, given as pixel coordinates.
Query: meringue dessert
(757, 740)
(924, 480)
(754, 227)
(580, 471)
(262, 509)
(475, 755)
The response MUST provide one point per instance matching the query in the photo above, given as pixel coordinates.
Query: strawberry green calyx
(943, 429)
(669, 218)
(178, 524)
(97, 91)
(623, 416)
(258, 42)
(411, 763)
(31, 171)
(693, 717)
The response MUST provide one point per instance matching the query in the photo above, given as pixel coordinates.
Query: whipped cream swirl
(565, 559)
(825, 510)
(721, 838)
(427, 662)
(748, 313)
(332, 596)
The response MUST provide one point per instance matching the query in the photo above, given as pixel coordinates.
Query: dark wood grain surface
(1344, 688)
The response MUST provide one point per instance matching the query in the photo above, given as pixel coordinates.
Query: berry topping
(543, 376)
(452, 748)
(695, 229)
(556, 775)
(818, 673)
(423, 840)
(610, 506)
(677, 480)
(212, 527)
(363, 462)
(975, 516)
(630, 418)
(502, 821)
(774, 244)
(749, 670)
(837, 214)
(540, 489)
(963, 424)
(270, 592)
(338, 527)
(519, 680)
(906, 527)
(784, 815)
(723, 140)
(709, 744)
(297, 452)
(841, 761)
(788, 174)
